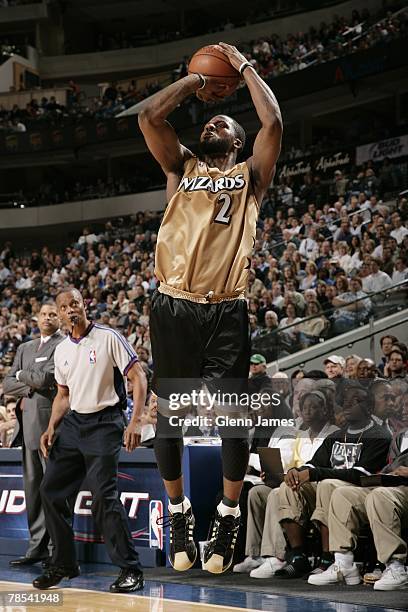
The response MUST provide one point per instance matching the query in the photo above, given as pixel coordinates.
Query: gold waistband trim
(199, 298)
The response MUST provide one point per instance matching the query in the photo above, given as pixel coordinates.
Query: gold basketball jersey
(207, 235)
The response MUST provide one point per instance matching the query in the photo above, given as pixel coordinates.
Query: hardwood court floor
(81, 600)
(193, 591)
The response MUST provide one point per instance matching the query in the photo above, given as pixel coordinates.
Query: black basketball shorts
(194, 343)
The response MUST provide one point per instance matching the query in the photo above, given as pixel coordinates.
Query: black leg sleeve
(168, 448)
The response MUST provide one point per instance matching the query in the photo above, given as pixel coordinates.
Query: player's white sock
(224, 510)
(185, 505)
(345, 559)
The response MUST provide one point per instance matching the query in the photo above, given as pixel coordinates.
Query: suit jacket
(396, 457)
(36, 386)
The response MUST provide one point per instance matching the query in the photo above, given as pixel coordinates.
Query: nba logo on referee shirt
(155, 530)
(92, 356)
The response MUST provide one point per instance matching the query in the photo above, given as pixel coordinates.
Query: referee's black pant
(87, 445)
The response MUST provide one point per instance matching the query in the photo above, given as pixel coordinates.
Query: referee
(90, 366)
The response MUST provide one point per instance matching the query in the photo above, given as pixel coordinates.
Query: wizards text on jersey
(206, 183)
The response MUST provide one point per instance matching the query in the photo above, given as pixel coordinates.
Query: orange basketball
(210, 62)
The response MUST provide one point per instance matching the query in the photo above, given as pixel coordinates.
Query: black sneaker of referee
(183, 550)
(53, 576)
(219, 551)
(128, 581)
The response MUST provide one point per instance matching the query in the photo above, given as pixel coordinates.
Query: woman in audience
(344, 258)
(309, 281)
(352, 362)
(291, 319)
(310, 330)
(342, 284)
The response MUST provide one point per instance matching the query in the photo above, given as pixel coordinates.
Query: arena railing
(359, 36)
(278, 343)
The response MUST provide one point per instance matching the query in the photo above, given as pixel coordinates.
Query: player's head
(222, 135)
(71, 308)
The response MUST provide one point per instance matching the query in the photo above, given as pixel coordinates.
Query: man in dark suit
(31, 381)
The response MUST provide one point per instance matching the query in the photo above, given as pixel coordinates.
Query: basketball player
(90, 366)
(199, 322)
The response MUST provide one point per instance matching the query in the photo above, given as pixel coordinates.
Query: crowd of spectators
(383, 180)
(274, 55)
(78, 190)
(316, 270)
(319, 266)
(49, 111)
(195, 24)
(350, 420)
(271, 56)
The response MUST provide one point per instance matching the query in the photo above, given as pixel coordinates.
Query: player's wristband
(243, 66)
(203, 81)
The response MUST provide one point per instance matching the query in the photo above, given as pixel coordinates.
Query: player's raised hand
(213, 90)
(235, 57)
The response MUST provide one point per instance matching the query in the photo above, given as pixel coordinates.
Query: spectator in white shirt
(364, 204)
(400, 271)
(376, 280)
(309, 247)
(399, 232)
(87, 237)
(343, 257)
(22, 282)
(277, 297)
(285, 193)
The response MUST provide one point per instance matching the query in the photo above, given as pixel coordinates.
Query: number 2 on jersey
(223, 215)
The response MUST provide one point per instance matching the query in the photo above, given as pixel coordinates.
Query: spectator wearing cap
(259, 362)
(339, 184)
(353, 307)
(360, 446)
(334, 366)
